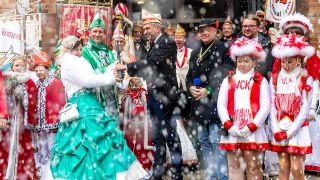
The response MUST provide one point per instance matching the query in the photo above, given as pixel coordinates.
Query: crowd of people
(243, 104)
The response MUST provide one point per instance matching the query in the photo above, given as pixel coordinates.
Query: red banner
(75, 20)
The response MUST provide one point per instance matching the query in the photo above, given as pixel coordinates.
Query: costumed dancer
(133, 98)
(135, 122)
(243, 107)
(189, 155)
(227, 32)
(100, 56)
(301, 26)
(291, 94)
(91, 146)
(42, 102)
(21, 163)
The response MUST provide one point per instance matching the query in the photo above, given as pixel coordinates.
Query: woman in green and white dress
(91, 147)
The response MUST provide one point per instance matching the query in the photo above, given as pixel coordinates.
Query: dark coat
(159, 70)
(212, 69)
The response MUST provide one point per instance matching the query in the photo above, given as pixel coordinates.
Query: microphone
(197, 82)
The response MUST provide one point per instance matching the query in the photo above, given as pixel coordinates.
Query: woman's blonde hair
(20, 57)
(68, 44)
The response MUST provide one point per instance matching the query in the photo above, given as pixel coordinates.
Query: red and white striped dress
(291, 95)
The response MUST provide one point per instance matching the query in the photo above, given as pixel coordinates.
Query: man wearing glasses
(250, 29)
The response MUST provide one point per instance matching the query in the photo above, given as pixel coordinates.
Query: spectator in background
(192, 40)
(140, 45)
(170, 31)
(227, 32)
(260, 15)
(250, 29)
(21, 157)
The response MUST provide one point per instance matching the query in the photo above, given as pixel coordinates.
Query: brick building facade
(49, 19)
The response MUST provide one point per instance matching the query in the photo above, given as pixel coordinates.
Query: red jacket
(43, 108)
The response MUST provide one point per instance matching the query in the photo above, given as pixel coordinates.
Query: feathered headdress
(42, 59)
(292, 45)
(296, 20)
(244, 46)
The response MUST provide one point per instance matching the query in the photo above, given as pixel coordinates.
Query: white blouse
(77, 73)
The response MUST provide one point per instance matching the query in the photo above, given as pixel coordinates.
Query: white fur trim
(285, 51)
(246, 50)
(296, 20)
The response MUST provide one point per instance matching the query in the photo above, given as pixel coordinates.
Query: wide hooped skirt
(92, 147)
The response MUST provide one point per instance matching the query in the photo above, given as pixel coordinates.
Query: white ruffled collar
(296, 72)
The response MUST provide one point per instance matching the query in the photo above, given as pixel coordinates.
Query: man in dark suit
(208, 66)
(250, 29)
(159, 71)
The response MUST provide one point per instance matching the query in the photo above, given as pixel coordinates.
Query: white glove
(245, 131)
(233, 131)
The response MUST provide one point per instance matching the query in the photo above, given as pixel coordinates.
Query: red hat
(296, 20)
(292, 45)
(42, 59)
(120, 9)
(244, 46)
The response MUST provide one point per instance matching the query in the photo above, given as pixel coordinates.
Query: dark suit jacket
(212, 70)
(141, 52)
(159, 70)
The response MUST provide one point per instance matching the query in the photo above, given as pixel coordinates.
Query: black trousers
(164, 132)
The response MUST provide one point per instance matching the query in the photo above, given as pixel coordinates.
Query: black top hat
(207, 22)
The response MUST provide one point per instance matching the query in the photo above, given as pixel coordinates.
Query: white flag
(277, 9)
